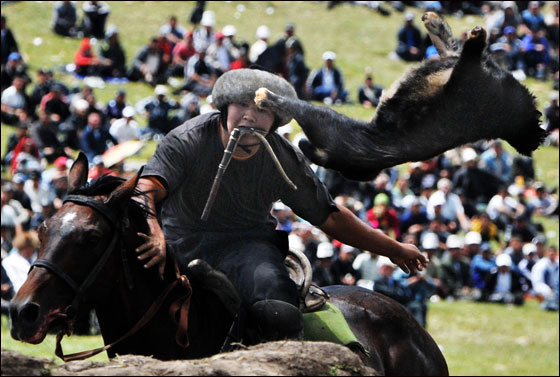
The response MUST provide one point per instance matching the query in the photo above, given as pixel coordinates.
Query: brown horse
(87, 260)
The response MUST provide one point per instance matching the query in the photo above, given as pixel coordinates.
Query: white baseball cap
(263, 32)
(329, 55)
(430, 242)
(384, 261)
(160, 90)
(529, 248)
(128, 112)
(454, 242)
(208, 18)
(325, 250)
(473, 238)
(229, 31)
(503, 260)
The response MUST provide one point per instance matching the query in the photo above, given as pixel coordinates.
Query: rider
(239, 237)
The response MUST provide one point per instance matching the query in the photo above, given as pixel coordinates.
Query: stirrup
(311, 296)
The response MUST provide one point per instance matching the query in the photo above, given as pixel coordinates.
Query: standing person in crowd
(327, 83)
(125, 128)
(17, 264)
(64, 18)
(112, 54)
(369, 94)
(204, 36)
(410, 40)
(95, 17)
(239, 222)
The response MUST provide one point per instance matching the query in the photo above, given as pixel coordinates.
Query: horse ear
(77, 176)
(124, 192)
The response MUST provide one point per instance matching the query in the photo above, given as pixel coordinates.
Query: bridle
(180, 305)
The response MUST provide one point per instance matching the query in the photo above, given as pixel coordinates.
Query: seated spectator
(497, 162)
(231, 44)
(172, 32)
(387, 285)
(482, 225)
(366, 264)
(473, 241)
(42, 88)
(430, 244)
(148, 64)
(327, 83)
(383, 217)
(114, 108)
(532, 19)
(17, 264)
(296, 70)
(508, 49)
(415, 219)
(529, 260)
(13, 140)
(125, 128)
(452, 210)
(310, 237)
(95, 137)
(204, 36)
(95, 17)
(64, 18)
(18, 192)
(344, 273)
(522, 227)
(410, 41)
(55, 104)
(504, 207)
(36, 191)
(47, 210)
(219, 55)
(401, 194)
(45, 132)
(543, 274)
(13, 68)
(26, 156)
(190, 108)
(87, 63)
(552, 120)
(243, 60)
(112, 55)
(506, 16)
(481, 266)
(456, 268)
(71, 129)
(15, 103)
(159, 120)
(200, 75)
(181, 54)
(504, 285)
(166, 49)
(536, 55)
(543, 203)
(322, 269)
(369, 94)
(14, 215)
(9, 43)
(421, 288)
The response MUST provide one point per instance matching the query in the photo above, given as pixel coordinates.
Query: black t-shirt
(186, 162)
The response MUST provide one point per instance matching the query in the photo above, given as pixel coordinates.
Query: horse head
(76, 264)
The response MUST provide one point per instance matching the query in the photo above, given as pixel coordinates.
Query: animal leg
(475, 44)
(440, 34)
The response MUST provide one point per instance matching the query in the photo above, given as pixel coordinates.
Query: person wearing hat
(261, 44)
(160, 121)
(15, 103)
(95, 137)
(508, 48)
(323, 274)
(200, 74)
(17, 263)
(219, 54)
(388, 285)
(473, 240)
(456, 268)
(504, 285)
(409, 40)
(327, 83)
(148, 64)
(112, 53)
(229, 224)
(451, 209)
(481, 266)
(383, 217)
(15, 66)
(64, 19)
(204, 36)
(125, 128)
(115, 106)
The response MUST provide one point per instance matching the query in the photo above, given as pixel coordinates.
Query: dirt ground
(283, 358)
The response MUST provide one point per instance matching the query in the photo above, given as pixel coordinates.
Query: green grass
(476, 339)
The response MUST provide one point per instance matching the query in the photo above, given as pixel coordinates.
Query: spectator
(243, 60)
(482, 225)
(114, 108)
(456, 268)
(14, 67)
(552, 121)
(125, 128)
(36, 191)
(95, 137)
(509, 49)
(515, 249)
(451, 208)
(536, 55)
(543, 203)
(383, 217)
(219, 55)
(481, 265)
(64, 18)
(42, 88)
(55, 105)
(322, 269)
(17, 264)
(344, 273)
(257, 48)
(310, 237)
(159, 120)
(421, 288)
(112, 55)
(9, 43)
(99, 169)
(410, 41)
(18, 193)
(366, 264)
(543, 274)
(327, 83)
(45, 132)
(14, 215)
(148, 64)
(15, 103)
(387, 285)
(507, 16)
(190, 108)
(369, 94)
(296, 70)
(13, 140)
(200, 75)
(172, 32)
(504, 285)
(87, 63)
(95, 17)
(473, 241)
(229, 32)
(522, 227)
(497, 162)
(71, 129)
(415, 219)
(47, 210)
(204, 37)
(26, 156)
(529, 260)
(532, 19)
(181, 53)
(7, 290)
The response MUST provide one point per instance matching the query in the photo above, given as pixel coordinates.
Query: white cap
(384, 261)
(430, 242)
(295, 243)
(325, 250)
(468, 154)
(329, 55)
(473, 238)
(503, 260)
(229, 31)
(346, 249)
(160, 90)
(529, 248)
(208, 18)
(454, 242)
(409, 16)
(81, 104)
(263, 32)
(287, 129)
(437, 199)
(514, 190)
(128, 112)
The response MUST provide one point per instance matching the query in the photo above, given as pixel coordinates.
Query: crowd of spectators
(471, 209)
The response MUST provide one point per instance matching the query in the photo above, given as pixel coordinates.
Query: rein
(181, 305)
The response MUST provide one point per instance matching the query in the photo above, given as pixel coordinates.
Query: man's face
(249, 115)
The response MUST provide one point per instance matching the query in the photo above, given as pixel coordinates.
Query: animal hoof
(478, 32)
(430, 16)
(261, 95)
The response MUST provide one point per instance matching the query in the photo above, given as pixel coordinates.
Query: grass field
(476, 339)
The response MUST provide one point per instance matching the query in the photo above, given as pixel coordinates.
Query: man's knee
(274, 320)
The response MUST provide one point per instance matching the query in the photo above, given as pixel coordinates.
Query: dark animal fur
(424, 117)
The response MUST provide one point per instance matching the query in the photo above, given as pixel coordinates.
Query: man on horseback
(236, 234)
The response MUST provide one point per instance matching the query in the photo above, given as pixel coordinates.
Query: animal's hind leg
(475, 44)
(440, 34)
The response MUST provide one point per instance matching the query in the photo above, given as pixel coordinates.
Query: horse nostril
(29, 313)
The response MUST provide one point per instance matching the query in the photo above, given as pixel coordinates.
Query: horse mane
(106, 184)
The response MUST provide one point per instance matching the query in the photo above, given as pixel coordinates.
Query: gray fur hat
(240, 85)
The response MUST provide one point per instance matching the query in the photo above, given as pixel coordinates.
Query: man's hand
(153, 249)
(409, 258)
